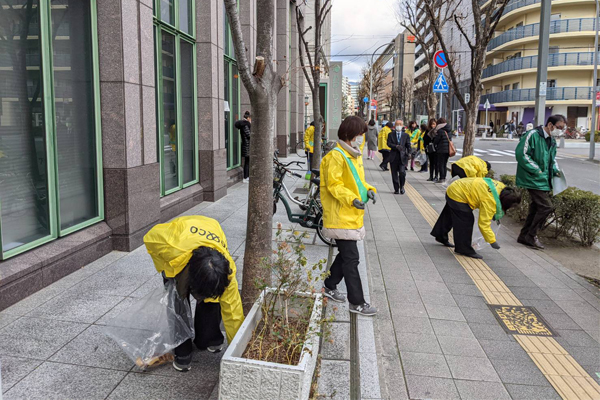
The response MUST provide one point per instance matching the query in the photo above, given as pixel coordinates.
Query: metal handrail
(558, 26)
(557, 93)
(554, 60)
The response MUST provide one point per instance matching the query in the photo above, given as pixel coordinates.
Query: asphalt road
(579, 172)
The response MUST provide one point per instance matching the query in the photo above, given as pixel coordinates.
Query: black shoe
(182, 364)
(382, 167)
(423, 170)
(442, 181)
(528, 241)
(396, 192)
(430, 180)
(444, 242)
(474, 255)
(412, 169)
(402, 191)
(387, 169)
(435, 180)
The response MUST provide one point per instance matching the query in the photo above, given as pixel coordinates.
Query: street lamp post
(594, 85)
(371, 80)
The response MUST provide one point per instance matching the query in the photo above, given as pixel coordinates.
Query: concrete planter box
(242, 378)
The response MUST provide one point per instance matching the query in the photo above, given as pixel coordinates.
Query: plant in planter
(275, 351)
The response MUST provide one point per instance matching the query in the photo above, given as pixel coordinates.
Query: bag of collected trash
(480, 241)
(559, 184)
(450, 181)
(420, 159)
(153, 326)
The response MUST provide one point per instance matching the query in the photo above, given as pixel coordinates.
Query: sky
(359, 27)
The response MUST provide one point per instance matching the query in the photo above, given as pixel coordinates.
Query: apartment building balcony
(555, 61)
(518, 6)
(533, 31)
(580, 93)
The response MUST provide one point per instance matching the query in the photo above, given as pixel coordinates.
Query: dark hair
(411, 123)
(390, 125)
(441, 120)
(208, 274)
(423, 127)
(351, 127)
(509, 197)
(246, 114)
(553, 119)
(372, 122)
(488, 166)
(431, 121)
(312, 123)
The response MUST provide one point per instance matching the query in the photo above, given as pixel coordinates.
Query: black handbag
(430, 148)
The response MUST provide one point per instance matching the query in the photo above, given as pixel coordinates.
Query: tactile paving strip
(569, 379)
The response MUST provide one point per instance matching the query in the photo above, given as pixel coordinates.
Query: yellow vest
(171, 246)
(309, 137)
(382, 138)
(473, 166)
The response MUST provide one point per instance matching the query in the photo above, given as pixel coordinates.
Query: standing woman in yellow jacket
(491, 197)
(309, 146)
(384, 149)
(344, 193)
(416, 142)
(470, 167)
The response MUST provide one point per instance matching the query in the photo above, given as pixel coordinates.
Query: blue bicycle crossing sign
(440, 85)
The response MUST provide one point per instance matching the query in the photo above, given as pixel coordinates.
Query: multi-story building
(421, 66)
(116, 115)
(510, 76)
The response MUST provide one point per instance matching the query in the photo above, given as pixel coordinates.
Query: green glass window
(50, 161)
(176, 95)
(232, 100)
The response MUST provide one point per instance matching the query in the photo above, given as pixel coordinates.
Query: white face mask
(556, 132)
(398, 127)
(358, 141)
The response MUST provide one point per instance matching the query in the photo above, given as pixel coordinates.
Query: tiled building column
(282, 126)
(294, 63)
(211, 110)
(247, 10)
(127, 85)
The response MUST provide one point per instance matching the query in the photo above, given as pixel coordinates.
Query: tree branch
(239, 46)
(462, 31)
(303, 44)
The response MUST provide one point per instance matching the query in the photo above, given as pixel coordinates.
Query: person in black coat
(399, 143)
(243, 126)
(441, 142)
(431, 155)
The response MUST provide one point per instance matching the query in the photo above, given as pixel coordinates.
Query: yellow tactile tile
(569, 379)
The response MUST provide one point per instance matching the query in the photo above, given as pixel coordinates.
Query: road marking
(502, 152)
(563, 372)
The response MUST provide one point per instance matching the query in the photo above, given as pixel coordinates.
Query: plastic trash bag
(153, 326)
(480, 241)
(451, 181)
(559, 184)
(420, 159)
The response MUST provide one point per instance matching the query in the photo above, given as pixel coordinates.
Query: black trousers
(539, 210)
(398, 174)
(457, 171)
(386, 156)
(246, 167)
(433, 172)
(459, 218)
(345, 266)
(424, 165)
(442, 164)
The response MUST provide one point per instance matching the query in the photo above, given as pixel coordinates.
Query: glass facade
(50, 163)
(232, 100)
(176, 94)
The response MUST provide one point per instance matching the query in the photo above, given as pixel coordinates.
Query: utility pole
(542, 66)
(594, 85)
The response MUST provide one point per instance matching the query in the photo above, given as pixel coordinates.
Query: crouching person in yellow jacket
(384, 149)
(470, 167)
(193, 251)
(309, 146)
(491, 197)
(344, 193)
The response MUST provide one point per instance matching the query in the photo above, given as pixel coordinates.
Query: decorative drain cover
(520, 320)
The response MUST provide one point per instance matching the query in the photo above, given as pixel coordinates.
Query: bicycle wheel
(300, 149)
(326, 240)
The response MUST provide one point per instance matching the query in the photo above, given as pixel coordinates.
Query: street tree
(263, 83)
(311, 61)
(407, 95)
(364, 89)
(413, 17)
(485, 18)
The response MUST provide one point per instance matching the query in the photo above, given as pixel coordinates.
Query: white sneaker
(246, 180)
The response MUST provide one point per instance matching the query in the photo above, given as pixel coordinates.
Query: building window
(551, 83)
(176, 94)
(232, 99)
(516, 86)
(51, 180)
(506, 87)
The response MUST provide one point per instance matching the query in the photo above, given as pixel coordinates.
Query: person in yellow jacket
(416, 142)
(344, 193)
(384, 149)
(470, 167)
(491, 197)
(309, 146)
(193, 251)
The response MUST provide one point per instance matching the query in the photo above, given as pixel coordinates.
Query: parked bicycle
(312, 217)
(326, 147)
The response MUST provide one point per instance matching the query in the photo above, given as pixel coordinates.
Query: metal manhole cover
(520, 320)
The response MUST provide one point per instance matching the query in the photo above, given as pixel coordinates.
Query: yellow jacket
(416, 139)
(362, 145)
(474, 166)
(309, 137)
(382, 138)
(476, 193)
(171, 246)
(339, 190)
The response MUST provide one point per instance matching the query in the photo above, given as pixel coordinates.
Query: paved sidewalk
(436, 336)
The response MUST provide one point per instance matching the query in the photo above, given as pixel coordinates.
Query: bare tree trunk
(470, 121)
(316, 101)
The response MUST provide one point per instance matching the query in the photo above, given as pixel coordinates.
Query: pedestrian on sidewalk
(491, 197)
(416, 140)
(470, 167)
(399, 143)
(426, 140)
(309, 138)
(430, 150)
(193, 252)
(382, 145)
(244, 126)
(372, 139)
(442, 139)
(344, 193)
(536, 166)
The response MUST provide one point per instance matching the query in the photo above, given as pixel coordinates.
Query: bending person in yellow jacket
(344, 193)
(491, 197)
(384, 149)
(309, 146)
(470, 167)
(193, 251)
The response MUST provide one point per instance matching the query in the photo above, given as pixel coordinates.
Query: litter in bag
(479, 242)
(153, 326)
(420, 159)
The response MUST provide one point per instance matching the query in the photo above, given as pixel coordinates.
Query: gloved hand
(495, 245)
(398, 147)
(358, 204)
(371, 195)
(498, 222)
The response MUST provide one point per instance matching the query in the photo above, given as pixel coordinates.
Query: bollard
(354, 359)
(562, 143)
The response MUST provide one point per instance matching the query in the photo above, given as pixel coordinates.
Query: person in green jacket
(536, 166)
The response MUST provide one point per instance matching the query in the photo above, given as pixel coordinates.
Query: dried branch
(239, 46)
